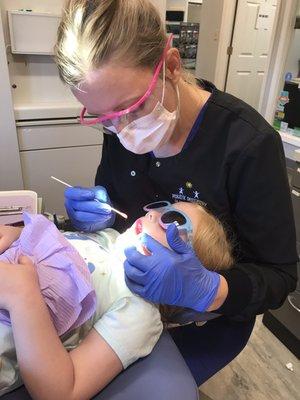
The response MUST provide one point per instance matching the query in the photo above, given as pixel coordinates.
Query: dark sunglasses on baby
(171, 215)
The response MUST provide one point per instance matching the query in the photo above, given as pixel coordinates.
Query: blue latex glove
(85, 213)
(174, 277)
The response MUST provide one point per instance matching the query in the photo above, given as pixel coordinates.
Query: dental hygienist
(169, 138)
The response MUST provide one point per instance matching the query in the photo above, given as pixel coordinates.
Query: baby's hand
(8, 234)
(17, 282)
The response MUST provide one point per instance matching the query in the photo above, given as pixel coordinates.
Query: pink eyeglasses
(116, 118)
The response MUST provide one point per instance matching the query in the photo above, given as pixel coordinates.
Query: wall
(194, 13)
(292, 62)
(177, 4)
(10, 176)
(161, 5)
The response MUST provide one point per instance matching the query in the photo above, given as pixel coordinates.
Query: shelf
(173, 22)
(290, 139)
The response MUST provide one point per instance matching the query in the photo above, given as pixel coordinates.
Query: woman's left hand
(173, 277)
(16, 282)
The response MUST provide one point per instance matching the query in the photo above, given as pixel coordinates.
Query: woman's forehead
(111, 87)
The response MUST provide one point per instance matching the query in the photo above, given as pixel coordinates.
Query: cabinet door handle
(295, 193)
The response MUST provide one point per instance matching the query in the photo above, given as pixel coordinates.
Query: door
(250, 47)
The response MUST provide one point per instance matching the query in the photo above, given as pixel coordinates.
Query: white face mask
(150, 132)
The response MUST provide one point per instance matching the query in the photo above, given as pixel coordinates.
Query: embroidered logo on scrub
(188, 193)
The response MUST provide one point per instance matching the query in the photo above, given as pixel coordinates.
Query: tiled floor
(258, 373)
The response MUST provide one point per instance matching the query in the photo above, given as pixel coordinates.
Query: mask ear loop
(164, 83)
(164, 89)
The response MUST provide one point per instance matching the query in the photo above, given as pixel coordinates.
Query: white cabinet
(68, 151)
(32, 32)
(35, 137)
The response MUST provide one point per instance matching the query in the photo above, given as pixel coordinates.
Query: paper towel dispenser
(32, 32)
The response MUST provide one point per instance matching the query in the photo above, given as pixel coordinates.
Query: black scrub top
(234, 164)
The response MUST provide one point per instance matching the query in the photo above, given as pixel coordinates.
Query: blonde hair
(211, 243)
(212, 247)
(95, 32)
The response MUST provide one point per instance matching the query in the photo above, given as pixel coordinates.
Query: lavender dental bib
(64, 277)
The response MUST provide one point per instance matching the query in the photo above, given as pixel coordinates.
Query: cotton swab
(58, 180)
(113, 209)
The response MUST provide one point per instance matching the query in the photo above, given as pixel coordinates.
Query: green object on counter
(276, 124)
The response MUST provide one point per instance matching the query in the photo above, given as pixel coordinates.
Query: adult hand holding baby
(172, 276)
(8, 234)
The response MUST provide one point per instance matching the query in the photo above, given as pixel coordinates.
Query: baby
(101, 299)
(207, 237)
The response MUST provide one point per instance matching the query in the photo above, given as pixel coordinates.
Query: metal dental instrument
(113, 209)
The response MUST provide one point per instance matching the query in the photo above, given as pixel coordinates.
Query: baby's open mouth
(138, 226)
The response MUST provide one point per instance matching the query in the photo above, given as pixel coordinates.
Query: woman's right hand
(89, 208)
(8, 234)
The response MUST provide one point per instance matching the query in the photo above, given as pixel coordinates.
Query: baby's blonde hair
(95, 32)
(211, 243)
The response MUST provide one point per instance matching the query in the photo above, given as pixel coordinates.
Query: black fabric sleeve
(266, 257)
(104, 176)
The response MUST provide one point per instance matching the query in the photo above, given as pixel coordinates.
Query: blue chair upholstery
(209, 348)
(163, 375)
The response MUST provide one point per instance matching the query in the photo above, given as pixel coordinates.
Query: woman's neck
(192, 99)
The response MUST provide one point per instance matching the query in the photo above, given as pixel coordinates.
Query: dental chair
(163, 375)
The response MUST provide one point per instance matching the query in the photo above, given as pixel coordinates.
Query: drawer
(76, 166)
(296, 176)
(56, 136)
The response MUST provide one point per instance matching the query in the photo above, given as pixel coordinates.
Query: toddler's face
(150, 225)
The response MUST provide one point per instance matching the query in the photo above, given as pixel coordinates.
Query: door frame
(220, 32)
(280, 43)
(225, 35)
